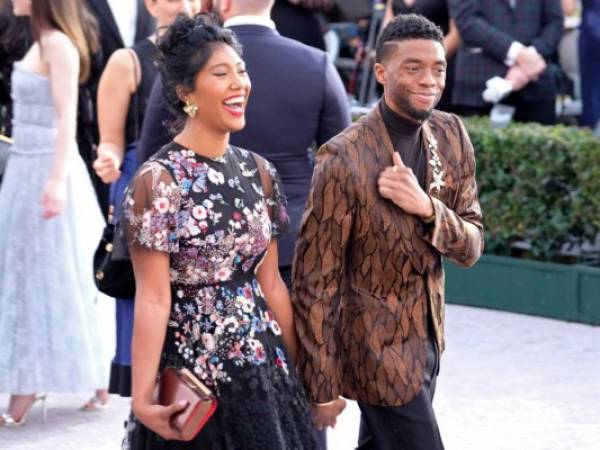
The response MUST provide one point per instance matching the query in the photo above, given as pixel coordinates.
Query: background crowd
(504, 57)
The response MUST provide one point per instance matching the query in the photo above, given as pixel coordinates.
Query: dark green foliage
(537, 184)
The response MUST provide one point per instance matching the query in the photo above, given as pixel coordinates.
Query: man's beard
(401, 99)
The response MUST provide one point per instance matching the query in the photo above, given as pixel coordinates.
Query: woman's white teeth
(237, 102)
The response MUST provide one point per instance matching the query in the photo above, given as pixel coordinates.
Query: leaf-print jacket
(367, 274)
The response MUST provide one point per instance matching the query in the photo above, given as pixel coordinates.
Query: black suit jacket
(297, 99)
(487, 28)
(110, 37)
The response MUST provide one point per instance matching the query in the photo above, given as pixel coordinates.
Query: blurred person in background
(438, 12)
(15, 40)
(121, 23)
(515, 40)
(123, 94)
(297, 19)
(50, 220)
(589, 62)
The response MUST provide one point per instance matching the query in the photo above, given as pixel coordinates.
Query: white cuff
(513, 52)
(326, 404)
(497, 89)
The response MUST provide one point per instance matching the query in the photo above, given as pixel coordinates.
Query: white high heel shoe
(9, 421)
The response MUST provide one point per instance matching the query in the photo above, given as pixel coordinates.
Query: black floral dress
(215, 221)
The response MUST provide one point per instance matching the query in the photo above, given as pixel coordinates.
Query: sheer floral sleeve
(151, 210)
(274, 195)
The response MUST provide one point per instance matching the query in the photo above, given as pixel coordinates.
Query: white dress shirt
(125, 14)
(249, 20)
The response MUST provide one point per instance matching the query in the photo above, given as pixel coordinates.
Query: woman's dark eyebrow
(238, 64)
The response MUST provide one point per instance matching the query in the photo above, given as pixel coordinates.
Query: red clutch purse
(176, 385)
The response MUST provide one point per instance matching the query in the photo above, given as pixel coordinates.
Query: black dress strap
(145, 51)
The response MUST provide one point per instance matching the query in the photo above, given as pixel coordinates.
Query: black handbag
(113, 272)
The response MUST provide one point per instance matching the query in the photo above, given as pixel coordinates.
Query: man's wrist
(429, 216)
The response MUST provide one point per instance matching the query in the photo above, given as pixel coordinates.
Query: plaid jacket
(487, 28)
(367, 275)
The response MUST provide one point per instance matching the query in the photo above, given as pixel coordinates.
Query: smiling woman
(191, 83)
(201, 220)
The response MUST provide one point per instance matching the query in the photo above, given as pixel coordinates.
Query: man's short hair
(404, 27)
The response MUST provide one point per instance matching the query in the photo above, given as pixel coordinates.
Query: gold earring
(190, 108)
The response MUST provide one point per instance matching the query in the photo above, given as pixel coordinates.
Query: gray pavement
(507, 382)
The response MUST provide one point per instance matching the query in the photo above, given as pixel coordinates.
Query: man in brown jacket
(390, 196)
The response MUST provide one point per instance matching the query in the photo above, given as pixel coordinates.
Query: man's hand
(399, 184)
(517, 77)
(326, 415)
(531, 62)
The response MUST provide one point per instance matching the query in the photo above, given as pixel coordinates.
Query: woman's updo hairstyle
(183, 51)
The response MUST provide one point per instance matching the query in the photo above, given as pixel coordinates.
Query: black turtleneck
(406, 140)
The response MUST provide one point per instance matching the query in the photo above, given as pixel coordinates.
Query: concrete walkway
(507, 382)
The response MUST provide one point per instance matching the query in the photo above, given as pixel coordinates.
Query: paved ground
(507, 382)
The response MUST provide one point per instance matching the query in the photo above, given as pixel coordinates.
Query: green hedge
(537, 184)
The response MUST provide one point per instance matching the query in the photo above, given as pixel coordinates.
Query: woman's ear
(182, 93)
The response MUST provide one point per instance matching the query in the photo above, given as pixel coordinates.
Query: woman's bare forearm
(150, 325)
(278, 299)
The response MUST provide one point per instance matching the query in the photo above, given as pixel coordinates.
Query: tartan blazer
(366, 274)
(487, 29)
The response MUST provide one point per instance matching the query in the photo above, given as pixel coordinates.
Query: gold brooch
(438, 174)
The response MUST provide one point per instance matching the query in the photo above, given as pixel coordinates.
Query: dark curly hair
(404, 27)
(183, 51)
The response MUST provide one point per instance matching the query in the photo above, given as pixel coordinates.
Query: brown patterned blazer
(366, 273)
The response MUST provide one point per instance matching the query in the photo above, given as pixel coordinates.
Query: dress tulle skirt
(49, 339)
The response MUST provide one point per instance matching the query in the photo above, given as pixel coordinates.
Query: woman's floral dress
(215, 221)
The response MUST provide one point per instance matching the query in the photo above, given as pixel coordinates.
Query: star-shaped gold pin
(438, 182)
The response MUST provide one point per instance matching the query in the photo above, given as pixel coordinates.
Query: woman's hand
(107, 164)
(325, 415)
(158, 418)
(53, 198)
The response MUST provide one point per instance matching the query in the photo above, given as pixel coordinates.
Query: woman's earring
(190, 108)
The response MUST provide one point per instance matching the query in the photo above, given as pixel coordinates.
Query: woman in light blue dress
(50, 221)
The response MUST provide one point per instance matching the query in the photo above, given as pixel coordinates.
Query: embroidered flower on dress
(199, 212)
(215, 177)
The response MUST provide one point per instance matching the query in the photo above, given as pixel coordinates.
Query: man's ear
(380, 73)
(225, 6)
(151, 7)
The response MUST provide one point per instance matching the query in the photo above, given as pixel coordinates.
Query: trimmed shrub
(537, 184)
